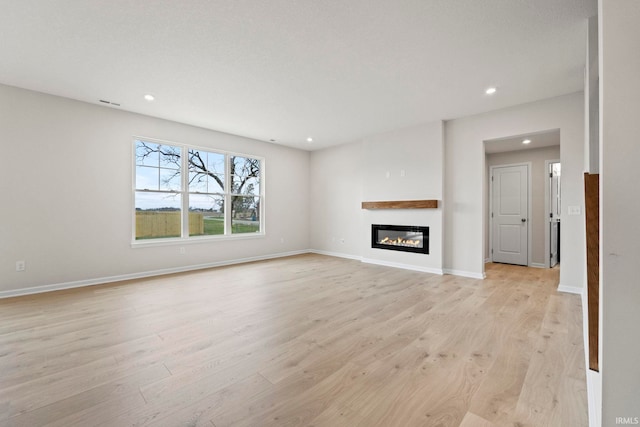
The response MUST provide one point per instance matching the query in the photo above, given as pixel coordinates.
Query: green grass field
(214, 226)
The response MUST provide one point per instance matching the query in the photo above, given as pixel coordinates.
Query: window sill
(180, 241)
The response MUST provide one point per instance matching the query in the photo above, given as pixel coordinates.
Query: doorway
(553, 209)
(510, 212)
(537, 150)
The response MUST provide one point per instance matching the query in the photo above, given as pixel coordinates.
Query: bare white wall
(336, 194)
(540, 179)
(592, 165)
(66, 181)
(619, 206)
(404, 164)
(591, 98)
(465, 184)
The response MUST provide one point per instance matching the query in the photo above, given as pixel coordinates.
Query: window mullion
(227, 194)
(184, 166)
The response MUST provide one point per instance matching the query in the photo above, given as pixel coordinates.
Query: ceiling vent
(109, 102)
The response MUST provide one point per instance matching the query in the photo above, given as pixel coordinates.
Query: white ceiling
(514, 143)
(289, 69)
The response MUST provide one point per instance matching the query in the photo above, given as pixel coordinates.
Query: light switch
(574, 210)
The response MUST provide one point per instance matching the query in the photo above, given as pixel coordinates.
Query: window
(245, 194)
(186, 192)
(206, 193)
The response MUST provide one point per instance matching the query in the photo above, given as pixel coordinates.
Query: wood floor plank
(192, 403)
(472, 420)
(304, 407)
(306, 340)
(297, 383)
(38, 364)
(550, 371)
(99, 403)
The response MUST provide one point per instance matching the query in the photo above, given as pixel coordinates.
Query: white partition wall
(619, 210)
(465, 172)
(66, 183)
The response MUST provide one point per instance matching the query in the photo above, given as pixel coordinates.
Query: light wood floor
(302, 341)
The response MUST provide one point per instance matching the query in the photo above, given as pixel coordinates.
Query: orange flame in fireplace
(400, 242)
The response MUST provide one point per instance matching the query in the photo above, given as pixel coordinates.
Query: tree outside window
(183, 192)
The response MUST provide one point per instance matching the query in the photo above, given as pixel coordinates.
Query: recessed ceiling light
(149, 97)
(309, 139)
(490, 90)
(526, 141)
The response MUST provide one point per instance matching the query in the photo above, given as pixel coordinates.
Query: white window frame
(184, 195)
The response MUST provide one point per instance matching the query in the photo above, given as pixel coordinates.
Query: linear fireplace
(407, 238)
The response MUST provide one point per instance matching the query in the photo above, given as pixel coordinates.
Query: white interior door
(554, 215)
(510, 204)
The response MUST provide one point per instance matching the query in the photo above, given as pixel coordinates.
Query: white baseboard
(570, 289)
(487, 260)
(462, 273)
(335, 254)
(378, 262)
(537, 265)
(140, 275)
(404, 266)
(122, 277)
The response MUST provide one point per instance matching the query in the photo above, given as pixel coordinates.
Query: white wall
(336, 189)
(66, 181)
(592, 101)
(335, 206)
(342, 177)
(592, 165)
(69, 180)
(465, 184)
(406, 164)
(619, 207)
(540, 180)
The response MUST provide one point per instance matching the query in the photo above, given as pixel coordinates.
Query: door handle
(524, 220)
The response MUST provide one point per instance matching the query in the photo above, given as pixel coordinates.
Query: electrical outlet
(282, 240)
(183, 250)
(342, 241)
(21, 266)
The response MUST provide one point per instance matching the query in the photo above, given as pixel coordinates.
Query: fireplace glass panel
(400, 238)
